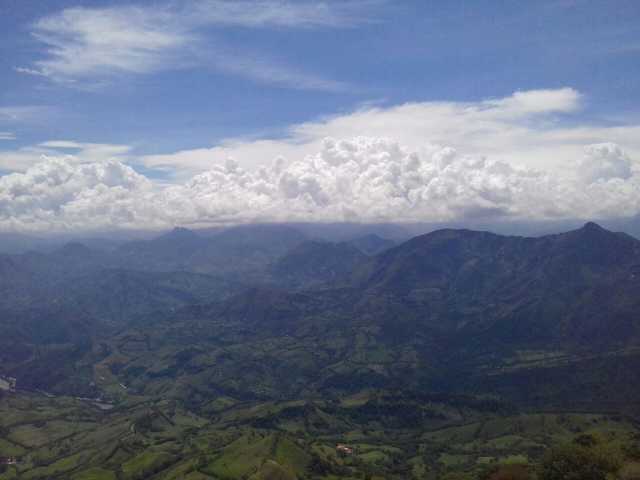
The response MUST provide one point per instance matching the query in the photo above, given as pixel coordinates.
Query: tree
(577, 461)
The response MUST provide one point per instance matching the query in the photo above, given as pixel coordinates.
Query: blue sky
(375, 52)
(173, 88)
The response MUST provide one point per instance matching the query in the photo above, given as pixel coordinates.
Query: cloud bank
(539, 129)
(360, 179)
(511, 158)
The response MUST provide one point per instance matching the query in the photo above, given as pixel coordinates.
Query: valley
(391, 437)
(453, 353)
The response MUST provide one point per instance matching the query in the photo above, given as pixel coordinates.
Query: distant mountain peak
(371, 243)
(604, 246)
(593, 227)
(593, 231)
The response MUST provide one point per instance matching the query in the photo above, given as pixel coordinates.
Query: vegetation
(456, 355)
(151, 438)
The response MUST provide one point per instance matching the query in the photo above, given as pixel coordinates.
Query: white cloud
(250, 154)
(536, 101)
(88, 151)
(504, 158)
(70, 144)
(603, 162)
(521, 130)
(362, 179)
(278, 13)
(66, 194)
(26, 157)
(89, 45)
(84, 42)
(7, 136)
(271, 72)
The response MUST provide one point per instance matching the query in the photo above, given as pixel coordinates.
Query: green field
(62, 438)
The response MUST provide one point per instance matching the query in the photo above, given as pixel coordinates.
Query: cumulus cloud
(603, 162)
(430, 161)
(68, 194)
(361, 179)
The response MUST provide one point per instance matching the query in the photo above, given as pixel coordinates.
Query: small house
(344, 449)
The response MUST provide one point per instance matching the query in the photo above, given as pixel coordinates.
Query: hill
(450, 348)
(317, 263)
(371, 244)
(453, 311)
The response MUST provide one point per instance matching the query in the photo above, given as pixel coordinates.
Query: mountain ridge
(452, 303)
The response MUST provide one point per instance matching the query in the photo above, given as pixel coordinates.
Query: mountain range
(252, 352)
(487, 310)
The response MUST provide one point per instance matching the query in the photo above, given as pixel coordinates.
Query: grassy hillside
(62, 438)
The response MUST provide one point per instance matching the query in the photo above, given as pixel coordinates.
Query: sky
(154, 114)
